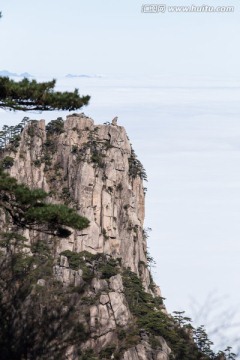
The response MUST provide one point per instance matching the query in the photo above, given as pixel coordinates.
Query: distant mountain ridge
(27, 75)
(82, 76)
(9, 74)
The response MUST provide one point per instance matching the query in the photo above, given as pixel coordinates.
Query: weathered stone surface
(166, 351)
(64, 261)
(115, 283)
(131, 354)
(41, 282)
(144, 351)
(120, 309)
(101, 188)
(161, 356)
(101, 320)
(99, 285)
(104, 299)
(100, 342)
(70, 353)
(68, 276)
(92, 163)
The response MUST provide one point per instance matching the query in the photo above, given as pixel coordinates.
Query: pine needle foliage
(28, 208)
(30, 95)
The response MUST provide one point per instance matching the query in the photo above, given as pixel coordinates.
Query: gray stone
(130, 354)
(115, 283)
(111, 188)
(120, 310)
(99, 285)
(104, 299)
(64, 261)
(114, 202)
(41, 282)
(165, 348)
(101, 320)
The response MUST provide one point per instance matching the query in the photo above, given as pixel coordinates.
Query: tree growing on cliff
(30, 95)
(28, 208)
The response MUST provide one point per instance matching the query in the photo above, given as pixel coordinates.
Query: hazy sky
(173, 79)
(114, 37)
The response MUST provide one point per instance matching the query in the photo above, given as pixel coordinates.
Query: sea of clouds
(186, 132)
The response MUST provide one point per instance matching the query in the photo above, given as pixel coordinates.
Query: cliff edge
(83, 294)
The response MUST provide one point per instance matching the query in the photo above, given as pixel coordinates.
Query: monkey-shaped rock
(114, 121)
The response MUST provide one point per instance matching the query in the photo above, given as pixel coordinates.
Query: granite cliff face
(88, 167)
(93, 169)
(82, 294)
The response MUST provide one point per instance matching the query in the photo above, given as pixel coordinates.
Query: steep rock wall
(90, 295)
(93, 169)
(87, 165)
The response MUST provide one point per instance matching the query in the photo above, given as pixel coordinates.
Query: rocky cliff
(89, 293)
(89, 166)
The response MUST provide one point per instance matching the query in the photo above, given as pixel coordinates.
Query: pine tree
(229, 354)
(181, 319)
(203, 342)
(28, 208)
(29, 95)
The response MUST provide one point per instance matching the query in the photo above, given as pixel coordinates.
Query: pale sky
(174, 81)
(114, 37)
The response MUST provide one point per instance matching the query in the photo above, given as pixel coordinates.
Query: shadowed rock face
(93, 169)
